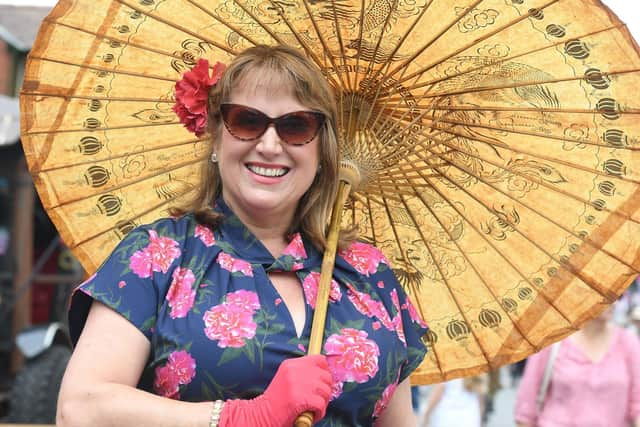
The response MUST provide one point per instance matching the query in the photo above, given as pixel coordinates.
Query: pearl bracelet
(215, 414)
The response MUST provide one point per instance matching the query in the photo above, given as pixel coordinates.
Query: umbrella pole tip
(350, 173)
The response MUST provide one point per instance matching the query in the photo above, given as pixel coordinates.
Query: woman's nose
(270, 144)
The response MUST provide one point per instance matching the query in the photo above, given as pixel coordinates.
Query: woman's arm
(399, 412)
(99, 385)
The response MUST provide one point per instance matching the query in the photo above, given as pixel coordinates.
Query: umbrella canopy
(496, 141)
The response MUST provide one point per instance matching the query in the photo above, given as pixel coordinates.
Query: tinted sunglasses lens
(300, 127)
(242, 122)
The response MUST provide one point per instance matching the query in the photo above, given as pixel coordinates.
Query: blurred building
(27, 237)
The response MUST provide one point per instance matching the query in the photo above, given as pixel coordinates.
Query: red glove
(300, 384)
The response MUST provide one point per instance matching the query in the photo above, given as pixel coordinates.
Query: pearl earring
(214, 158)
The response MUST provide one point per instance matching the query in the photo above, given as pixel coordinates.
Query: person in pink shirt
(595, 380)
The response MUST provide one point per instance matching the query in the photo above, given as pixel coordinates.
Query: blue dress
(219, 329)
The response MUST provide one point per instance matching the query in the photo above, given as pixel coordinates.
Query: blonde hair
(278, 66)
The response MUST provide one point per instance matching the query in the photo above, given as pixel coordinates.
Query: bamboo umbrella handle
(326, 273)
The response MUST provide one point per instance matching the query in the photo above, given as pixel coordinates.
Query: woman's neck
(595, 328)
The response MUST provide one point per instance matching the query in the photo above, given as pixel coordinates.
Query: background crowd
(591, 378)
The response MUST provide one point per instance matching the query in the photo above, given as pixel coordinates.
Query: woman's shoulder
(627, 338)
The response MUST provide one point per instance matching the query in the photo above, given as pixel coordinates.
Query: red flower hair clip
(192, 92)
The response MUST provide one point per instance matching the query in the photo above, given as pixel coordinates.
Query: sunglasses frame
(320, 117)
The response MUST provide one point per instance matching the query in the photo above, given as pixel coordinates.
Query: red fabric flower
(192, 92)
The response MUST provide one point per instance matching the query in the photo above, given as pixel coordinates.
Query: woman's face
(265, 176)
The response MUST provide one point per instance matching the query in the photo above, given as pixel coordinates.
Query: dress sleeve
(632, 349)
(525, 408)
(406, 320)
(132, 280)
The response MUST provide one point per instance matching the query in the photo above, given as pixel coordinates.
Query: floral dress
(218, 328)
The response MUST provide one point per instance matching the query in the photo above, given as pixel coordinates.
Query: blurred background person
(595, 380)
(634, 320)
(458, 402)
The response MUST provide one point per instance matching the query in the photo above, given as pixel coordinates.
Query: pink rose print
(397, 325)
(296, 248)
(231, 322)
(336, 389)
(351, 356)
(381, 404)
(414, 315)
(233, 265)
(179, 370)
(183, 365)
(246, 299)
(397, 320)
(181, 294)
(364, 258)
(140, 263)
(205, 235)
(369, 307)
(166, 383)
(310, 287)
(157, 256)
(122, 284)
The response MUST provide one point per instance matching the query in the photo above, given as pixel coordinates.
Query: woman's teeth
(274, 172)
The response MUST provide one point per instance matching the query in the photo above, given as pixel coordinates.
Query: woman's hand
(301, 384)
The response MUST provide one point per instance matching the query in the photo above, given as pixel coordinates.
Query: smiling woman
(215, 303)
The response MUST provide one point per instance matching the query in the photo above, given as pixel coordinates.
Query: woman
(595, 380)
(215, 303)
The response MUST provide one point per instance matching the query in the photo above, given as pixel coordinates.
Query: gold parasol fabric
(497, 141)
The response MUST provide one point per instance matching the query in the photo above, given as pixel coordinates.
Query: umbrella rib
(431, 255)
(536, 110)
(100, 129)
(370, 64)
(476, 89)
(302, 43)
(323, 42)
(544, 296)
(257, 21)
(484, 237)
(177, 26)
(343, 52)
(388, 63)
(474, 42)
(407, 146)
(406, 261)
(492, 64)
(103, 191)
(124, 154)
(99, 98)
(138, 215)
(585, 239)
(537, 135)
(544, 183)
(405, 36)
(492, 143)
(486, 284)
(96, 68)
(453, 296)
(404, 65)
(243, 34)
(570, 269)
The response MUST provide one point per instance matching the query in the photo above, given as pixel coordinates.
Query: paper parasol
(497, 142)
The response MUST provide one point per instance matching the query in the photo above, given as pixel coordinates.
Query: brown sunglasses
(248, 124)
